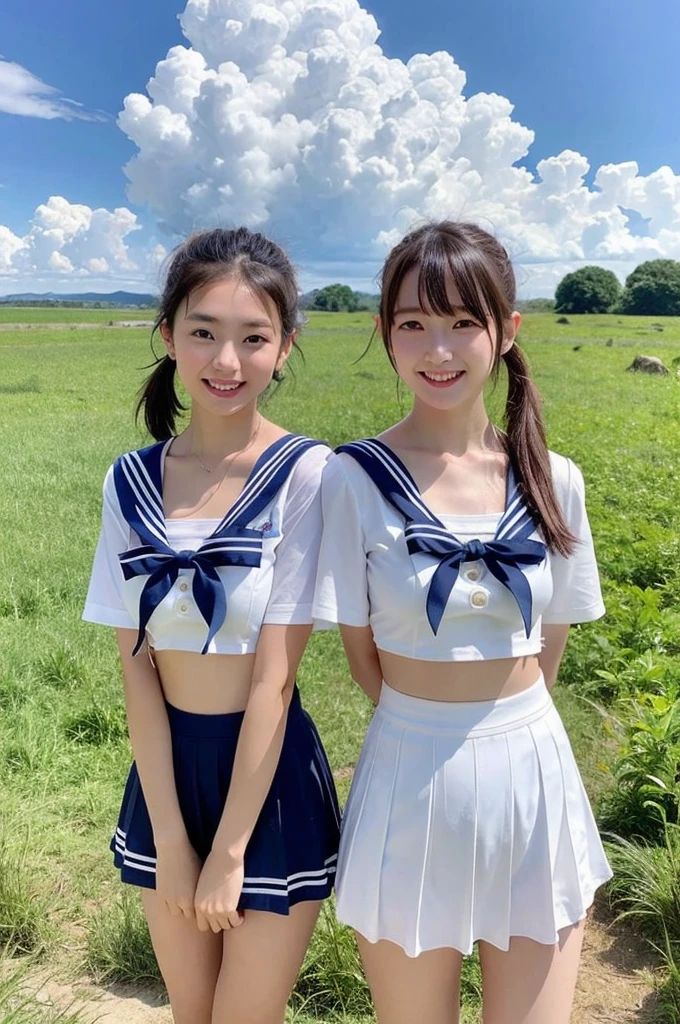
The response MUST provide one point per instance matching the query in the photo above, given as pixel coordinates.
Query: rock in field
(648, 364)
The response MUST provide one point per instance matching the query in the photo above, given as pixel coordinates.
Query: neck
(215, 437)
(456, 431)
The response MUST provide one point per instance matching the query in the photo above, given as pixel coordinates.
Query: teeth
(223, 387)
(442, 376)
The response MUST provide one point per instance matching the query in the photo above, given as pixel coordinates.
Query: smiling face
(445, 359)
(227, 343)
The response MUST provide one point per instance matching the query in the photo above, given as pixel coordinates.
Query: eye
(255, 339)
(410, 325)
(465, 323)
(203, 334)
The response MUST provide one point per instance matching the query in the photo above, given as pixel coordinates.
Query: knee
(250, 1011)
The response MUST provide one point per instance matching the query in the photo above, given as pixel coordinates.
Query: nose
(226, 357)
(440, 349)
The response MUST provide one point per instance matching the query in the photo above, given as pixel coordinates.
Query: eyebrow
(455, 310)
(206, 318)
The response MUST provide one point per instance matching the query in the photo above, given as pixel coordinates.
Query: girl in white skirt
(455, 556)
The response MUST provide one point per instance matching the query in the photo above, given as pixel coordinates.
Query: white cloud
(10, 245)
(288, 116)
(23, 94)
(67, 242)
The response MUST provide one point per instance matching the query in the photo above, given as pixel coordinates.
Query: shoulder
(310, 464)
(566, 475)
(304, 480)
(343, 470)
(349, 485)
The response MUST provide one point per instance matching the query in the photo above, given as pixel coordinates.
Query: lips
(223, 388)
(443, 379)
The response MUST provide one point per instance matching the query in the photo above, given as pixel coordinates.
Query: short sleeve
(342, 585)
(104, 603)
(294, 574)
(576, 582)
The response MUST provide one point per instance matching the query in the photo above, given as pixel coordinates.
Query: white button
(472, 574)
(183, 607)
(183, 585)
(479, 599)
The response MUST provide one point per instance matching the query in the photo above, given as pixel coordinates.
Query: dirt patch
(118, 1004)
(76, 327)
(617, 978)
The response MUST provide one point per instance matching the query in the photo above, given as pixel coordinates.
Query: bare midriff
(205, 684)
(459, 680)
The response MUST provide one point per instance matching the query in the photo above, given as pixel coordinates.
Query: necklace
(231, 458)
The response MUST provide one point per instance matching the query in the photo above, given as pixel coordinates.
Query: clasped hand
(217, 894)
(210, 892)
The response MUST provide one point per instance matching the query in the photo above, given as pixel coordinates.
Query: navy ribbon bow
(504, 560)
(138, 478)
(505, 556)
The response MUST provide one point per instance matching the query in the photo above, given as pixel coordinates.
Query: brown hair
(483, 274)
(203, 258)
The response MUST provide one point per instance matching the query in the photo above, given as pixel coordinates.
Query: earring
(277, 376)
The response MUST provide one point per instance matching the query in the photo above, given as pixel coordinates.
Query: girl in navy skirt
(206, 566)
(454, 558)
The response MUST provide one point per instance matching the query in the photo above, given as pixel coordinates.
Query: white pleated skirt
(466, 822)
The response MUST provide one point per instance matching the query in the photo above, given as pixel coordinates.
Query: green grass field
(66, 412)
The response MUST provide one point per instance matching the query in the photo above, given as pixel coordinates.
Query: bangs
(439, 267)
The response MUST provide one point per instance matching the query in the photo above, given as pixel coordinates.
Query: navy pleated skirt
(292, 853)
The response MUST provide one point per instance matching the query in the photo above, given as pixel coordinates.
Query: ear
(378, 323)
(166, 335)
(286, 349)
(511, 328)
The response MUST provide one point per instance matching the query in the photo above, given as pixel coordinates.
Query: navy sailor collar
(138, 479)
(505, 556)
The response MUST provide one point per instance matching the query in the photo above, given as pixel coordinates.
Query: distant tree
(587, 290)
(535, 305)
(653, 289)
(336, 298)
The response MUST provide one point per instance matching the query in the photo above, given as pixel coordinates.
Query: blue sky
(593, 77)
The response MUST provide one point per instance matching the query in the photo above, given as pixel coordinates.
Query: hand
(178, 868)
(218, 893)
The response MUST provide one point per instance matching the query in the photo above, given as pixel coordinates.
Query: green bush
(646, 770)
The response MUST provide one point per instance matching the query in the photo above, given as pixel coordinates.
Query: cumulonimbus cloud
(288, 116)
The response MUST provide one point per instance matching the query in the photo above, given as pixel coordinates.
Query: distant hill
(126, 299)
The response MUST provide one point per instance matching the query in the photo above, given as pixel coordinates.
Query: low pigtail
(159, 401)
(528, 452)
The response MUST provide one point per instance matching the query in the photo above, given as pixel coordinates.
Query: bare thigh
(260, 964)
(531, 983)
(189, 960)
(409, 989)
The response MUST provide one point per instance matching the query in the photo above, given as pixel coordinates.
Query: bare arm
(555, 640)
(177, 864)
(279, 651)
(362, 657)
(150, 738)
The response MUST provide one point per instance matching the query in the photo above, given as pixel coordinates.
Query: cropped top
(209, 585)
(443, 587)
